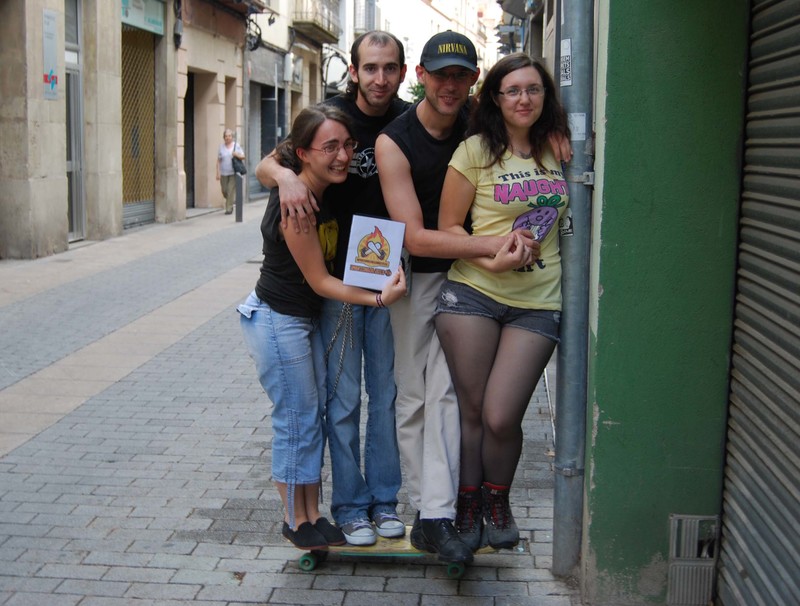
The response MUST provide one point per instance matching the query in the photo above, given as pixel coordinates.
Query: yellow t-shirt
(510, 194)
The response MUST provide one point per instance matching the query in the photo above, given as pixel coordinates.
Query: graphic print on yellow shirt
(514, 193)
(543, 194)
(328, 232)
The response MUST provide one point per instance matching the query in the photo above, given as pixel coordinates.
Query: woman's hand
(394, 288)
(516, 252)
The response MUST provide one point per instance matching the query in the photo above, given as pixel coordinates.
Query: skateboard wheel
(455, 570)
(307, 562)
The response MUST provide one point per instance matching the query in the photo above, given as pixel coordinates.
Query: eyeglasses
(515, 92)
(459, 76)
(332, 148)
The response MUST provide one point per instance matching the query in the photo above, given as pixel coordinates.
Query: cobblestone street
(135, 444)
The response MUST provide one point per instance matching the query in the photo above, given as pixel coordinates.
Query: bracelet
(378, 300)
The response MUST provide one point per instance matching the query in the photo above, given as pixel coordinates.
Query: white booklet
(373, 252)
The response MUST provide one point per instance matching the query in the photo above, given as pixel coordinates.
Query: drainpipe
(576, 37)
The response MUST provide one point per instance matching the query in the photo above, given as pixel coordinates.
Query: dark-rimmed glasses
(332, 148)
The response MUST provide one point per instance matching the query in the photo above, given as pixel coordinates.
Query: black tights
(495, 370)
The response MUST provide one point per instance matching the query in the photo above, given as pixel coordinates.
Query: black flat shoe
(333, 535)
(305, 537)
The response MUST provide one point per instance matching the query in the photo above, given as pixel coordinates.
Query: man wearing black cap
(413, 153)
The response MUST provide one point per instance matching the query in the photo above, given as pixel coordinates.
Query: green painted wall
(671, 85)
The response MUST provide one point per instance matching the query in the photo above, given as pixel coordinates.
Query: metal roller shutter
(760, 548)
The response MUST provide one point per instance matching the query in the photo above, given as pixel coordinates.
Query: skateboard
(400, 547)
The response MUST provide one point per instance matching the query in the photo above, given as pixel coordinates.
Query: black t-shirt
(428, 158)
(360, 194)
(281, 284)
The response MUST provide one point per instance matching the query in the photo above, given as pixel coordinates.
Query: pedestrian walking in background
(226, 175)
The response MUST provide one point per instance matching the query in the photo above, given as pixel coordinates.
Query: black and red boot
(501, 529)
(469, 516)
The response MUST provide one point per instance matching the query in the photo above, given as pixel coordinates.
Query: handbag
(238, 166)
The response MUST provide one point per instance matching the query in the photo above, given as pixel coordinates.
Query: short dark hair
(304, 129)
(487, 119)
(378, 38)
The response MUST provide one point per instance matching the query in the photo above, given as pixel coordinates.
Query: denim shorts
(458, 298)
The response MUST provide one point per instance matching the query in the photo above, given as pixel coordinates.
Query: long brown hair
(486, 118)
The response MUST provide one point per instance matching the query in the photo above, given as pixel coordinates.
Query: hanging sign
(144, 14)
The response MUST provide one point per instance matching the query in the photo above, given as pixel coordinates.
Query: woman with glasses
(498, 325)
(280, 320)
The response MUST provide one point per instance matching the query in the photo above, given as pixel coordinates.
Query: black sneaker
(501, 529)
(440, 537)
(417, 540)
(333, 535)
(305, 537)
(469, 518)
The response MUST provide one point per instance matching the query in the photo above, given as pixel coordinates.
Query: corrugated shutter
(760, 550)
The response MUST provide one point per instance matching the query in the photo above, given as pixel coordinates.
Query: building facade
(117, 109)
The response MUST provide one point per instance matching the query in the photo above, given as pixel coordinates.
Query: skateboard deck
(400, 547)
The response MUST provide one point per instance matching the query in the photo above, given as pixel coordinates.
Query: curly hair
(377, 38)
(486, 118)
(304, 129)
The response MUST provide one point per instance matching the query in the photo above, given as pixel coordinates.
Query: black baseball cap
(449, 48)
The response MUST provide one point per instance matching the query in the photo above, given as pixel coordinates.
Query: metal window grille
(138, 116)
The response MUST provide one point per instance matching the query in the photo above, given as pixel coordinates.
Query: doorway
(188, 139)
(74, 121)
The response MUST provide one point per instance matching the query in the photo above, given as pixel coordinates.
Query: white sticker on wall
(566, 62)
(577, 126)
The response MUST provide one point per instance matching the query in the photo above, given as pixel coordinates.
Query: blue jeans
(289, 358)
(368, 330)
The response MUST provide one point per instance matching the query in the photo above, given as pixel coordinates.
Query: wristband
(378, 300)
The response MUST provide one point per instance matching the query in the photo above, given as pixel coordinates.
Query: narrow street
(135, 443)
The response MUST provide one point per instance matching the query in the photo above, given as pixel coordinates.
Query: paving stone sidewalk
(155, 489)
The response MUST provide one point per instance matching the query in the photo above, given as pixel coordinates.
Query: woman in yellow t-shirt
(499, 326)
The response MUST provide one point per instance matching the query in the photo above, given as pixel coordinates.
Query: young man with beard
(362, 504)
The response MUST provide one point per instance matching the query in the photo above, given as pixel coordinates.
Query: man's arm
(560, 144)
(458, 193)
(402, 203)
(297, 202)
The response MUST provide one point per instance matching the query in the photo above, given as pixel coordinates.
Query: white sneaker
(359, 532)
(388, 524)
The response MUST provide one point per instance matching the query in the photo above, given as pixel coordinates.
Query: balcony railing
(318, 19)
(244, 7)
